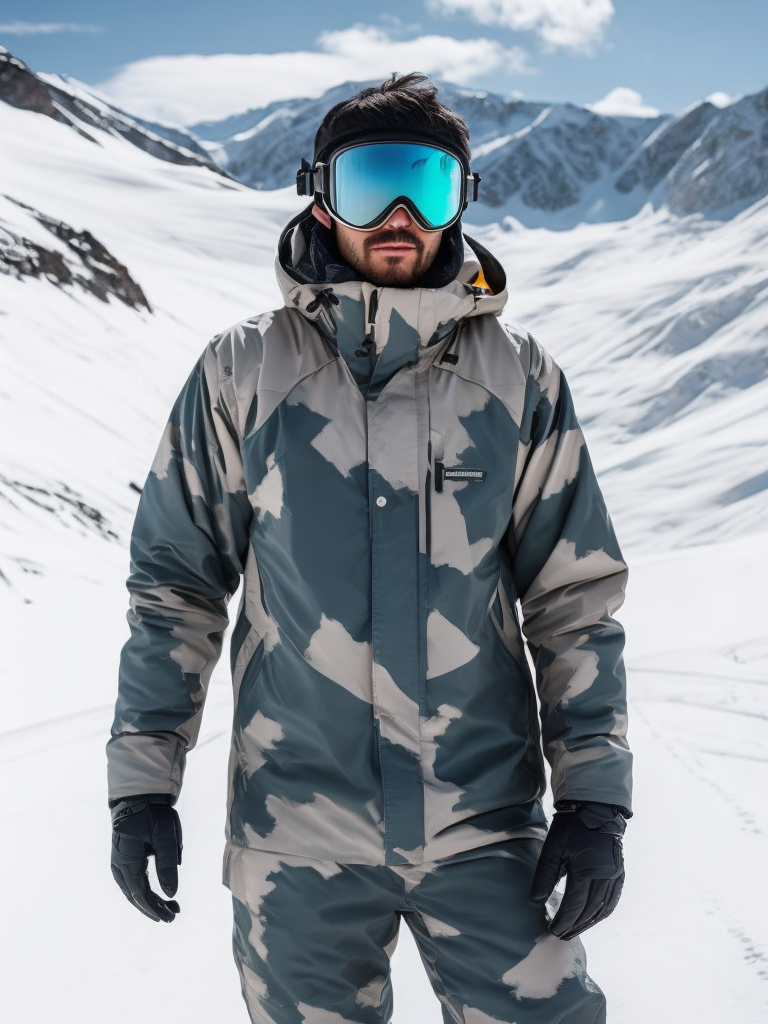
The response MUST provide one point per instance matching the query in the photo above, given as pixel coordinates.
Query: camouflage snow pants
(313, 940)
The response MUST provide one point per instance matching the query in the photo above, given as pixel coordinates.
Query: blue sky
(663, 54)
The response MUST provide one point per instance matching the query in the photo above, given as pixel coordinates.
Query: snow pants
(313, 940)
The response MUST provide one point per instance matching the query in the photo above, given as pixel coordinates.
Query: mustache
(400, 235)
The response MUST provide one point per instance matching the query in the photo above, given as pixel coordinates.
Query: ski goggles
(362, 184)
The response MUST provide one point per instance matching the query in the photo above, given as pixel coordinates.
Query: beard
(388, 270)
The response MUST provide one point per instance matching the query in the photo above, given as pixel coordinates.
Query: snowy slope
(189, 238)
(686, 945)
(660, 322)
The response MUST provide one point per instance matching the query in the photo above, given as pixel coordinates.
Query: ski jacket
(402, 483)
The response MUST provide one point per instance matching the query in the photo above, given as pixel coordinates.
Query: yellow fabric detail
(480, 282)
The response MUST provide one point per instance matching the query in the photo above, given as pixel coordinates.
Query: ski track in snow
(709, 925)
(78, 727)
(692, 764)
(717, 676)
(692, 946)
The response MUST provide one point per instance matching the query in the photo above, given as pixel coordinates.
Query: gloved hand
(144, 825)
(584, 843)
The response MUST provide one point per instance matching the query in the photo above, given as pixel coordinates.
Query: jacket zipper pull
(448, 356)
(369, 341)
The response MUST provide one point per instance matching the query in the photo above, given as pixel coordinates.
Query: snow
(488, 147)
(647, 316)
(261, 125)
(623, 102)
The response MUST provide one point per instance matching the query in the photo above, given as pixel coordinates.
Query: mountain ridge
(658, 320)
(71, 104)
(544, 164)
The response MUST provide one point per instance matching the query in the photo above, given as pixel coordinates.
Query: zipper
(373, 308)
(434, 478)
(428, 502)
(448, 356)
(369, 341)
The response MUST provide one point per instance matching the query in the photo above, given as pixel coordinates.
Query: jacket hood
(348, 307)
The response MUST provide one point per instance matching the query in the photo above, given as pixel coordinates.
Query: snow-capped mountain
(535, 159)
(549, 165)
(67, 101)
(118, 262)
(660, 319)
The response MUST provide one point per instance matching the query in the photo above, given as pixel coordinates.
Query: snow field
(85, 388)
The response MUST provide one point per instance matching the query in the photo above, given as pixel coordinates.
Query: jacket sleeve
(570, 579)
(188, 550)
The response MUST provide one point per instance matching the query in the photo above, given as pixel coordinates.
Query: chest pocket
(462, 527)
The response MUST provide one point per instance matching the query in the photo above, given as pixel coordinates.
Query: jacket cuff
(575, 805)
(141, 763)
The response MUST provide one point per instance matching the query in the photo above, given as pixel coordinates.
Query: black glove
(144, 825)
(584, 843)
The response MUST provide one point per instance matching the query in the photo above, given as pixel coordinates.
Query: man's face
(396, 254)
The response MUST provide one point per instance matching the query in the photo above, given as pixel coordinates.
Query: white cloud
(623, 102)
(458, 60)
(566, 24)
(45, 28)
(191, 88)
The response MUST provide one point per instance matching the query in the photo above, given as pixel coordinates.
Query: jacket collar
(387, 325)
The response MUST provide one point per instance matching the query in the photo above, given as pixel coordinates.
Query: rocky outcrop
(21, 88)
(657, 157)
(62, 501)
(49, 95)
(727, 165)
(83, 262)
(551, 163)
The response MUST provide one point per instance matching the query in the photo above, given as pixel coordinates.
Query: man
(391, 471)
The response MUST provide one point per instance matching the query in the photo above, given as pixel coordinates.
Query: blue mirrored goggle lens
(366, 179)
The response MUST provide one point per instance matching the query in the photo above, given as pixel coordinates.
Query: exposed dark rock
(654, 160)
(62, 501)
(180, 138)
(95, 269)
(727, 166)
(21, 87)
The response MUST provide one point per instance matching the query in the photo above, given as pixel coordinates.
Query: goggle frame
(317, 180)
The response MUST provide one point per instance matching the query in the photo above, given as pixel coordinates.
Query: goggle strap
(322, 184)
(311, 179)
(305, 179)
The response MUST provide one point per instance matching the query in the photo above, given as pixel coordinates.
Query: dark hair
(401, 103)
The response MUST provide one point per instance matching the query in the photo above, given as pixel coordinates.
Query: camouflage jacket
(394, 508)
